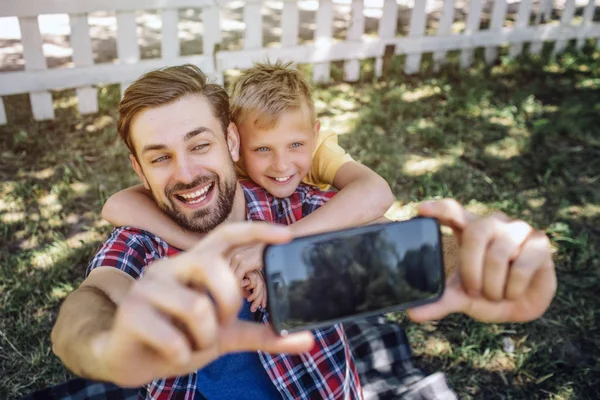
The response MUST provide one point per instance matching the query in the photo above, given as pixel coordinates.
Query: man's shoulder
(130, 249)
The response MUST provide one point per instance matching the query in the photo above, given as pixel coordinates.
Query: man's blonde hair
(265, 91)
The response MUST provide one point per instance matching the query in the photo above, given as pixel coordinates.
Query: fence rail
(532, 22)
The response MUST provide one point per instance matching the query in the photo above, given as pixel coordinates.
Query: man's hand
(182, 314)
(255, 290)
(246, 259)
(505, 272)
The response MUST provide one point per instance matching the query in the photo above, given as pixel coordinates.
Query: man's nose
(185, 171)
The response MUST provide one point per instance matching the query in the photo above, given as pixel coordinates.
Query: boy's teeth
(282, 179)
(196, 193)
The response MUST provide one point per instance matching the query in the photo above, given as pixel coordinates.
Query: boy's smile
(280, 157)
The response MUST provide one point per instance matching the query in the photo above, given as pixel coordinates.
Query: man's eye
(262, 149)
(297, 144)
(159, 159)
(202, 146)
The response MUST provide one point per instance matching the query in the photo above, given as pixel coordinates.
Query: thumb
(453, 300)
(448, 212)
(250, 336)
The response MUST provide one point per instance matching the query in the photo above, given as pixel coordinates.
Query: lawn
(522, 137)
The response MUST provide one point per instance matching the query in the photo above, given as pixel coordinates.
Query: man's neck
(238, 211)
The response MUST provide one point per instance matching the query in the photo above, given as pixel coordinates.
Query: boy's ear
(317, 128)
(233, 141)
(138, 170)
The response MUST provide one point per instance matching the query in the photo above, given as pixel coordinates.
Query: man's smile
(197, 196)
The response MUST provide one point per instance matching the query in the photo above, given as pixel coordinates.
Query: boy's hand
(255, 290)
(505, 272)
(247, 259)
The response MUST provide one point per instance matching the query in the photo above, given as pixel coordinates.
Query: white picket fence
(533, 24)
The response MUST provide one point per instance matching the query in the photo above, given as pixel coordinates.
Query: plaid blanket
(381, 352)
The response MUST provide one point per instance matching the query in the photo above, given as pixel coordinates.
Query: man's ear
(138, 170)
(317, 128)
(233, 141)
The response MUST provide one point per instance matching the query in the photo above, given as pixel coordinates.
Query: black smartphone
(318, 280)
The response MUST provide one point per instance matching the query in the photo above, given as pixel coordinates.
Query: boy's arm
(363, 197)
(135, 207)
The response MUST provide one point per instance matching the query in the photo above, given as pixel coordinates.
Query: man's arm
(86, 313)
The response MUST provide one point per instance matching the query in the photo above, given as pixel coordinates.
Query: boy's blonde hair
(265, 91)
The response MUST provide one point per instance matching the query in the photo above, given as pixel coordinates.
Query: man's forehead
(171, 122)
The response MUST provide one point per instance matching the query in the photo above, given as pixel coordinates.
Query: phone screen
(326, 278)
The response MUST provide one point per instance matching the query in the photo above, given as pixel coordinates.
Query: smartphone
(319, 280)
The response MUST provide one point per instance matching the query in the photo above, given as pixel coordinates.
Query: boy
(281, 146)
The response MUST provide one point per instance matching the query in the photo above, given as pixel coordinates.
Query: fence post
(212, 38)
(417, 29)
(387, 30)
(87, 97)
(355, 32)
(565, 19)
(41, 102)
(323, 38)
(498, 17)
(128, 49)
(588, 16)
(522, 22)
(170, 38)
(253, 26)
(444, 29)
(543, 14)
(472, 26)
(290, 21)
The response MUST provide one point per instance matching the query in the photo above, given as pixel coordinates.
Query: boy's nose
(280, 163)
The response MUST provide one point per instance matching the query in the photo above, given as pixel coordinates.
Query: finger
(264, 299)
(144, 323)
(245, 282)
(214, 277)
(475, 239)
(453, 300)
(448, 212)
(501, 251)
(534, 254)
(235, 262)
(228, 237)
(249, 336)
(195, 310)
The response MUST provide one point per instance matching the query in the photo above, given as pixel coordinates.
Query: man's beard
(203, 220)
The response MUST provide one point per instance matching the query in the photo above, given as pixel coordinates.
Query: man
(161, 314)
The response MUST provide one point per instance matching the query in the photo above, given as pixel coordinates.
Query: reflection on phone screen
(317, 280)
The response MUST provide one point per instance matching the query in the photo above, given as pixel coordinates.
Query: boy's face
(186, 161)
(279, 158)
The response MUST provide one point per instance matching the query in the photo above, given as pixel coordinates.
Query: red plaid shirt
(326, 372)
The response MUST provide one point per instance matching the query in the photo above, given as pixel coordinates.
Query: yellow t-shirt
(328, 157)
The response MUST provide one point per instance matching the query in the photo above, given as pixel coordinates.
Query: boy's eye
(159, 159)
(297, 144)
(262, 149)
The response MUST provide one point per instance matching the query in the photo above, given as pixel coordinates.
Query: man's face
(279, 158)
(187, 162)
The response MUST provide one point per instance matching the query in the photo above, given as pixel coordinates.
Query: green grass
(522, 136)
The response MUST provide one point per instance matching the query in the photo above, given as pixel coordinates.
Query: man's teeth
(197, 196)
(285, 178)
